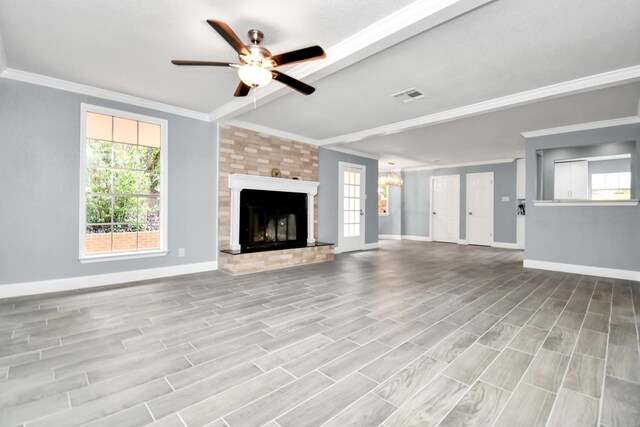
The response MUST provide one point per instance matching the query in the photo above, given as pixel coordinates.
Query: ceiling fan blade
(303, 88)
(209, 63)
(227, 33)
(242, 90)
(300, 55)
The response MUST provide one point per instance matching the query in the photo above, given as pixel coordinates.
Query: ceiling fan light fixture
(254, 75)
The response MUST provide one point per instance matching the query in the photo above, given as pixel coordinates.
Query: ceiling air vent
(408, 95)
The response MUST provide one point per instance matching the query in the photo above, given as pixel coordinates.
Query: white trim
(582, 126)
(459, 165)
(596, 81)
(363, 199)
(504, 245)
(391, 29)
(84, 282)
(217, 198)
(40, 80)
(272, 132)
(370, 246)
(557, 203)
(240, 182)
(462, 242)
(613, 273)
(164, 185)
(416, 238)
(118, 257)
(389, 237)
(352, 152)
(491, 204)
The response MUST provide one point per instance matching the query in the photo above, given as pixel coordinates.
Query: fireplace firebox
(272, 220)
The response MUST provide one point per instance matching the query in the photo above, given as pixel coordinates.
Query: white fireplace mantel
(239, 182)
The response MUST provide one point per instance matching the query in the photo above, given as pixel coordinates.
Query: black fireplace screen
(272, 219)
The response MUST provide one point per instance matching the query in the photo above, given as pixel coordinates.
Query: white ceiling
(460, 53)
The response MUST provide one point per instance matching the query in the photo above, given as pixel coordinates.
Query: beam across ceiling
(396, 27)
(571, 87)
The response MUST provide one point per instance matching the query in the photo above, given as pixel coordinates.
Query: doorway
(351, 213)
(445, 208)
(480, 208)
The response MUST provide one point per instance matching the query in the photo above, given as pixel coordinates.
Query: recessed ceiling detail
(489, 70)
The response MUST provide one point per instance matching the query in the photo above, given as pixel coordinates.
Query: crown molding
(68, 86)
(352, 152)
(582, 126)
(571, 87)
(386, 32)
(459, 165)
(271, 131)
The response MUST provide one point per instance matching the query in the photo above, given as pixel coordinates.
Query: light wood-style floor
(412, 334)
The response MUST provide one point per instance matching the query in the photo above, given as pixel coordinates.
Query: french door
(351, 212)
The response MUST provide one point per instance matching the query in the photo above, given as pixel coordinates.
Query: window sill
(121, 256)
(633, 202)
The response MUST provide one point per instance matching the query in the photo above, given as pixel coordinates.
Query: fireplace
(270, 213)
(272, 220)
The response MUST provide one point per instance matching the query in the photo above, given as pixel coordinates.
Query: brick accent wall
(252, 153)
(101, 242)
(273, 260)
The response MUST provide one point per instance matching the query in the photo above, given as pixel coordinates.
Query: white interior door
(445, 211)
(480, 208)
(351, 207)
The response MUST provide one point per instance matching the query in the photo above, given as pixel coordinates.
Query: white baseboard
(417, 238)
(403, 237)
(504, 245)
(612, 273)
(366, 247)
(83, 282)
(463, 242)
(389, 237)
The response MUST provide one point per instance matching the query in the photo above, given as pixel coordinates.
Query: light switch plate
(505, 198)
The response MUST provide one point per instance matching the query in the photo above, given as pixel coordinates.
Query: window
(611, 186)
(383, 199)
(123, 179)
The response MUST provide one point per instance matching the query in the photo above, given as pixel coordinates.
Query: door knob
(434, 213)
(470, 213)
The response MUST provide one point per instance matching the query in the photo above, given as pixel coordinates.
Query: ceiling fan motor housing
(256, 36)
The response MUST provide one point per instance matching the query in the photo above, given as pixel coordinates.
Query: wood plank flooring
(412, 334)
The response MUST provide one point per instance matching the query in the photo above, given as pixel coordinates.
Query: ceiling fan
(256, 62)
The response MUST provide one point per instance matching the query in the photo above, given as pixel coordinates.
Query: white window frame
(164, 166)
(388, 200)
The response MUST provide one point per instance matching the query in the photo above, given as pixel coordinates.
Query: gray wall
(39, 191)
(392, 223)
(598, 236)
(566, 152)
(416, 200)
(328, 195)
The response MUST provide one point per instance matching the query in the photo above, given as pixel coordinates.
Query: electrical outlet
(181, 252)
